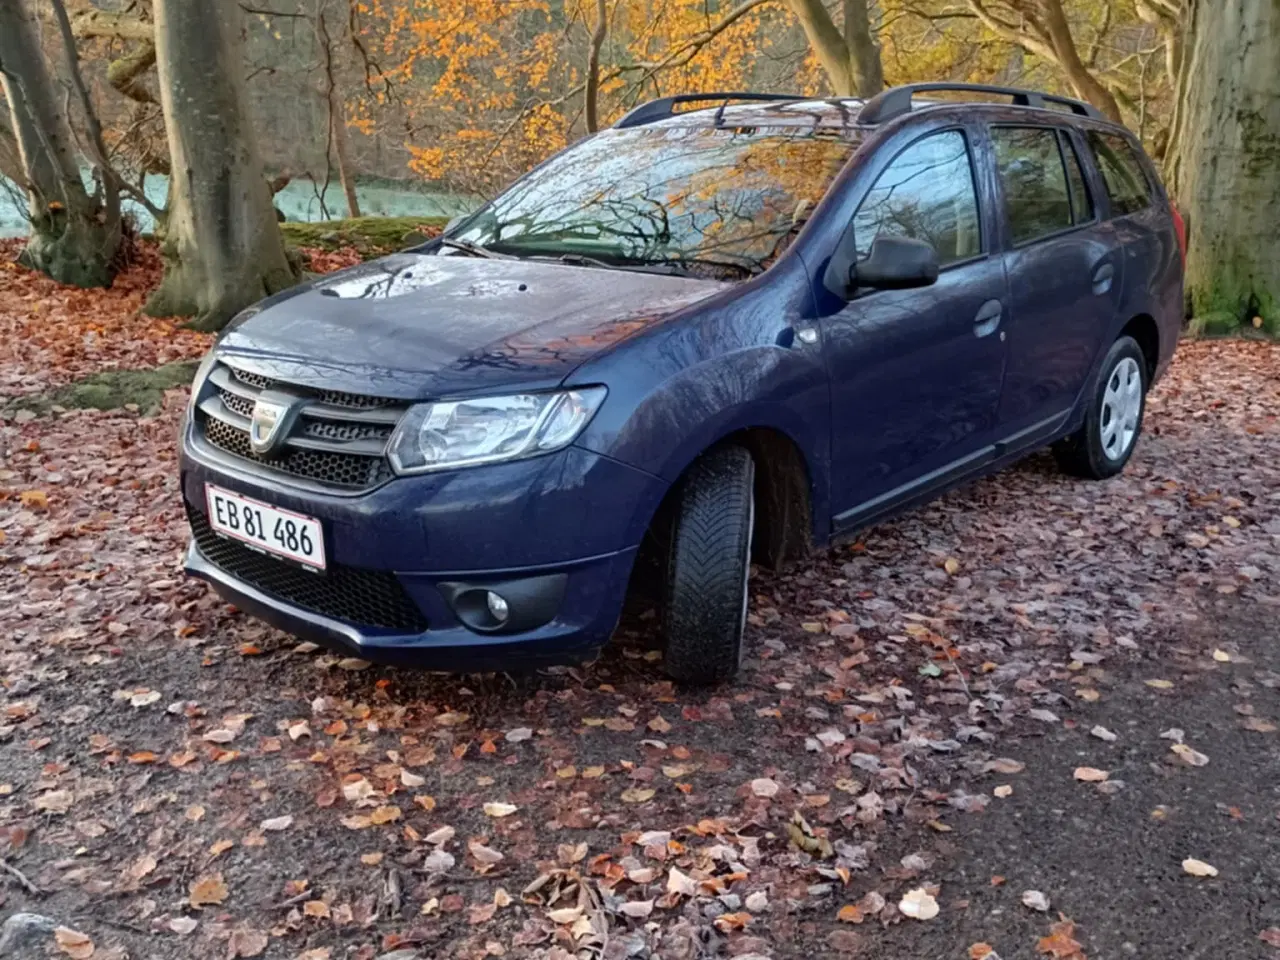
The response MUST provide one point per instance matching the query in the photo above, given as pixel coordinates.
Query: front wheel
(1102, 447)
(705, 612)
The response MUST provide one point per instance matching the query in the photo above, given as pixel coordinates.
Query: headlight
(460, 433)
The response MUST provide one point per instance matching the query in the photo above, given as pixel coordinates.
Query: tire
(1113, 423)
(705, 606)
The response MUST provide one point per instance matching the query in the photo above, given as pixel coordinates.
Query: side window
(1033, 180)
(926, 193)
(1081, 202)
(1127, 185)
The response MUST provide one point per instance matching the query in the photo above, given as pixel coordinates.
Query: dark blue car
(709, 336)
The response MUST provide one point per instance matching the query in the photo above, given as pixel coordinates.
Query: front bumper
(565, 526)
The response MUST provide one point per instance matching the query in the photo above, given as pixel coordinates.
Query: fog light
(497, 606)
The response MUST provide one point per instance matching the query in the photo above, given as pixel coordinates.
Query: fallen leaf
(951, 565)
(440, 836)
(220, 735)
(1159, 684)
(764, 787)
(1035, 900)
(638, 909)
(34, 500)
(1061, 942)
(73, 943)
(246, 942)
(1102, 733)
(353, 663)
(918, 904)
(1091, 774)
(500, 809)
(981, 951)
(56, 801)
(144, 866)
(1002, 791)
(483, 854)
(1004, 765)
(681, 884)
(317, 909)
(1222, 656)
(1198, 868)
(1271, 935)
(637, 794)
(276, 824)
(1258, 725)
(220, 847)
(1189, 756)
(430, 906)
(383, 815)
(183, 926)
(518, 735)
(207, 890)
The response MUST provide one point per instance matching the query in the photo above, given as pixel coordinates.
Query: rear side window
(1033, 180)
(926, 193)
(1081, 202)
(1121, 170)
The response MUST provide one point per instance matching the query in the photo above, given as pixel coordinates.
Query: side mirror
(896, 263)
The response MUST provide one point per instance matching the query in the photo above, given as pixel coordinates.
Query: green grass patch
(370, 235)
(109, 390)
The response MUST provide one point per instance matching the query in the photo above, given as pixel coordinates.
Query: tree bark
(10, 160)
(851, 60)
(1226, 162)
(223, 249)
(74, 237)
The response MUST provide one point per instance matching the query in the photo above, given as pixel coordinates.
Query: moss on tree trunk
(1226, 165)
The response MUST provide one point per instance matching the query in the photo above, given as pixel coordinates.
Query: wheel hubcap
(1121, 409)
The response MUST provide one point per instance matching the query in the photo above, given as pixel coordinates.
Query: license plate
(280, 532)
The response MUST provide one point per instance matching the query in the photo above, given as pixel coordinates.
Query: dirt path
(1112, 861)
(178, 781)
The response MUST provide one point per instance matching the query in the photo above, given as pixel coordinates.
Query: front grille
(334, 398)
(339, 439)
(370, 598)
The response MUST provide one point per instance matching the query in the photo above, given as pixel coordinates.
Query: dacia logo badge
(273, 415)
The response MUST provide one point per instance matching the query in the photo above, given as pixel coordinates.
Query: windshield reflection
(712, 201)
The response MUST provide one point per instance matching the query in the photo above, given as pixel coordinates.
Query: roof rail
(896, 101)
(664, 107)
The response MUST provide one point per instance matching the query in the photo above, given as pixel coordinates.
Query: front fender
(772, 387)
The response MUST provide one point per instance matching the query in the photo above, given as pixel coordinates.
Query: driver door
(916, 374)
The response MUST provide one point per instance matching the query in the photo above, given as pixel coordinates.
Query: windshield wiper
(474, 249)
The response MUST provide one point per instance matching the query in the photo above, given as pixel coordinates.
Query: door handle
(988, 318)
(1102, 277)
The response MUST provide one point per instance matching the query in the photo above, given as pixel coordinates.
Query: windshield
(726, 200)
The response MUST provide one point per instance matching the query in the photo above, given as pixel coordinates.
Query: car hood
(413, 326)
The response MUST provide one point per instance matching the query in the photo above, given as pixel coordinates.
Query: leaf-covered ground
(177, 780)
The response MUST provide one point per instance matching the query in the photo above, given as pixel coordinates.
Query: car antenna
(718, 120)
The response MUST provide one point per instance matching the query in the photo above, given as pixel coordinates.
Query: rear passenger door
(1065, 273)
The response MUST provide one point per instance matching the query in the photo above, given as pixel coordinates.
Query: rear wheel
(705, 608)
(1102, 447)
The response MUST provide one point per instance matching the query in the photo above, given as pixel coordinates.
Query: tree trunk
(223, 249)
(592, 98)
(74, 239)
(337, 120)
(864, 52)
(1226, 168)
(1085, 84)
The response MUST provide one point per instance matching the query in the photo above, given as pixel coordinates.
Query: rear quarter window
(1122, 173)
